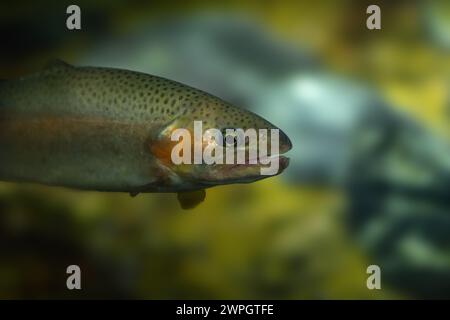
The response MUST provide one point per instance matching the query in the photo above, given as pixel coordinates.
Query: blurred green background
(368, 113)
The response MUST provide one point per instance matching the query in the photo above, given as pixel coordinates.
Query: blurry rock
(400, 203)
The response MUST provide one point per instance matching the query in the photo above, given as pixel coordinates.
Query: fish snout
(285, 142)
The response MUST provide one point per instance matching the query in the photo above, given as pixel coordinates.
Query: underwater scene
(364, 130)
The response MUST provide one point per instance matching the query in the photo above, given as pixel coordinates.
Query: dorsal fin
(57, 63)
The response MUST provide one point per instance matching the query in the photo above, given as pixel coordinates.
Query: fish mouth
(266, 161)
(285, 143)
(284, 163)
(259, 162)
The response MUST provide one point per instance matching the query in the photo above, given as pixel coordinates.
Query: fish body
(109, 130)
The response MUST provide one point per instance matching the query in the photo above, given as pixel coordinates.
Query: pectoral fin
(189, 200)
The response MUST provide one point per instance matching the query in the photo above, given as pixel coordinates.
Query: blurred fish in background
(368, 181)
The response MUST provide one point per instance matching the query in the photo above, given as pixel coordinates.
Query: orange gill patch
(162, 148)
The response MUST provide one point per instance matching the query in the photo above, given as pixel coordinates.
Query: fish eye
(229, 138)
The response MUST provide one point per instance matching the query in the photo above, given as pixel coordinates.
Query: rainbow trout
(108, 129)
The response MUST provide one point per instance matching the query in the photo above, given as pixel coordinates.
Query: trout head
(211, 144)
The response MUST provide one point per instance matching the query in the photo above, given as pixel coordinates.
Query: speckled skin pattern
(95, 128)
